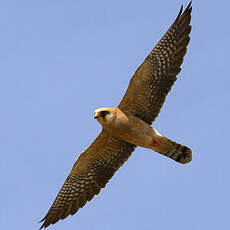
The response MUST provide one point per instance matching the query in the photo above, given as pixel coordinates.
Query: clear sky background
(59, 61)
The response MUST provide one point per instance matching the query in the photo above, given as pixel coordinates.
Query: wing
(153, 80)
(92, 170)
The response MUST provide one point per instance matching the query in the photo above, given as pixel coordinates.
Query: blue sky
(60, 60)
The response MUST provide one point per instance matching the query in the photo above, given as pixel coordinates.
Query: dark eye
(104, 113)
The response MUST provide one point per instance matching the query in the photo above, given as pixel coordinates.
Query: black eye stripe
(104, 113)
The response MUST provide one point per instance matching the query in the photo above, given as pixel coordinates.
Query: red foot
(156, 142)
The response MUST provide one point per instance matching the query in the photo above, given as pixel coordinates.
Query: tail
(169, 148)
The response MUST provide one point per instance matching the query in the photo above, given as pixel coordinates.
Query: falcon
(129, 124)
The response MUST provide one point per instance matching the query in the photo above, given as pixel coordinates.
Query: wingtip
(189, 7)
(43, 224)
(42, 227)
(181, 10)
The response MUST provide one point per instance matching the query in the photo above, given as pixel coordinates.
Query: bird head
(104, 115)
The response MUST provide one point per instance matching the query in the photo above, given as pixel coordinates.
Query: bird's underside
(120, 135)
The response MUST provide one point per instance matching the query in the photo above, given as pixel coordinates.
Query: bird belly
(142, 136)
(135, 131)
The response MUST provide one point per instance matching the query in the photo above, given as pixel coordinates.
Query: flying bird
(129, 124)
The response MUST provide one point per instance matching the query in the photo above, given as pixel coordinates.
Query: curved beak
(96, 115)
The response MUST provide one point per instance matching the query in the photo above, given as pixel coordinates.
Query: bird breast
(131, 129)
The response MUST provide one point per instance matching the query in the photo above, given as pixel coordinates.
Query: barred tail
(169, 148)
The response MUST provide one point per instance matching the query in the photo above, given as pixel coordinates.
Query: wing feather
(153, 80)
(92, 170)
(144, 98)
